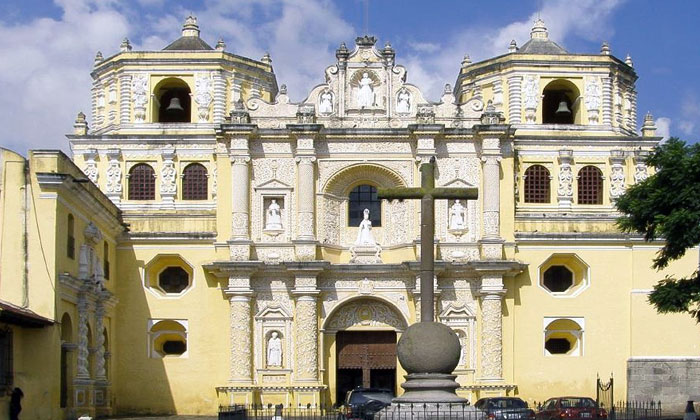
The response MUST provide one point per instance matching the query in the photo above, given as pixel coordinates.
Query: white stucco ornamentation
(114, 176)
(531, 100)
(91, 170)
(593, 96)
(139, 96)
(617, 173)
(100, 372)
(83, 352)
(203, 96)
(306, 338)
(565, 189)
(241, 341)
(369, 313)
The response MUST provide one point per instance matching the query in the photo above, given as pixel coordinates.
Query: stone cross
(427, 193)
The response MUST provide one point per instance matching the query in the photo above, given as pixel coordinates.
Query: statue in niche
(365, 96)
(325, 104)
(274, 350)
(403, 102)
(364, 234)
(463, 350)
(274, 216)
(458, 216)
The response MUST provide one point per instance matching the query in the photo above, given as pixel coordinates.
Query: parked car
(505, 408)
(571, 408)
(364, 403)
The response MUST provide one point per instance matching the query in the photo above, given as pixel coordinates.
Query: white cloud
(44, 73)
(588, 19)
(686, 127)
(663, 128)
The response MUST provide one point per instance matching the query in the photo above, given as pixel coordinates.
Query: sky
(48, 47)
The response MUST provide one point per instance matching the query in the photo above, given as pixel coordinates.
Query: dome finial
(513, 47)
(125, 45)
(628, 60)
(539, 30)
(99, 58)
(466, 61)
(605, 48)
(190, 28)
(220, 45)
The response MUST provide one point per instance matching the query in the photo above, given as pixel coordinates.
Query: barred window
(590, 185)
(194, 182)
(70, 238)
(537, 184)
(6, 374)
(142, 182)
(364, 197)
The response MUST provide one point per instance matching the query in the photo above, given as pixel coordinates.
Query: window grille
(6, 373)
(590, 185)
(194, 182)
(537, 184)
(364, 197)
(142, 183)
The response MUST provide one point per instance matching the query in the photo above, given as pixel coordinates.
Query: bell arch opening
(560, 103)
(173, 101)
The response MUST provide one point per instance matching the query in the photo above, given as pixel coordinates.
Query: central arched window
(590, 185)
(194, 182)
(364, 197)
(142, 182)
(537, 184)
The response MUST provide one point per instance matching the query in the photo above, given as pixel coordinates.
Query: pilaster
(83, 370)
(113, 187)
(617, 173)
(515, 99)
(565, 189)
(607, 101)
(168, 176)
(124, 99)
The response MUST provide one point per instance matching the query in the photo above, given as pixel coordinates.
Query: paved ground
(167, 418)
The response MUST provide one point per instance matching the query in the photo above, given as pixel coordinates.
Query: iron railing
(635, 410)
(398, 412)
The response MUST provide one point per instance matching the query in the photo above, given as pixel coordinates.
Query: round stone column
(240, 193)
(306, 198)
(492, 196)
(241, 337)
(83, 370)
(306, 336)
(100, 372)
(491, 295)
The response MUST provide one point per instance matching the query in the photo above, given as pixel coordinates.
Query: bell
(563, 109)
(175, 105)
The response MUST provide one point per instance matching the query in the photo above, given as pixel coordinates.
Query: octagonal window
(173, 280)
(558, 278)
(169, 276)
(167, 337)
(564, 275)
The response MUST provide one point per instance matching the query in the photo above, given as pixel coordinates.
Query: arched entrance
(363, 334)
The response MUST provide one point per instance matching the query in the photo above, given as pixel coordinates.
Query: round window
(173, 280)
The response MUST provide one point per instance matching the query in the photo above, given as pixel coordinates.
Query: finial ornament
(190, 28)
(466, 61)
(628, 61)
(220, 45)
(99, 58)
(125, 46)
(539, 30)
(649, 126)
(513, 47)
(605, 48)
(266, 58)
(80, 127)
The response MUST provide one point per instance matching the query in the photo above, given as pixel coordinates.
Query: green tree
(667, 206)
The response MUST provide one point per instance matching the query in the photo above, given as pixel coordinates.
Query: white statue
(274, 216)
(365, 96)
(274, 350)
(325, 105)
(403, 102)
(458, 216)
(364, 234)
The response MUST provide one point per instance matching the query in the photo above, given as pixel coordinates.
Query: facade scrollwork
(139, 96)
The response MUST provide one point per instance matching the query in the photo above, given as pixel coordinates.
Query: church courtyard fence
(401, 412)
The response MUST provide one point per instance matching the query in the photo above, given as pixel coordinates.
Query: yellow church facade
(212, 242)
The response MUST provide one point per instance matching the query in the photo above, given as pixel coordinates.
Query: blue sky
(48, 46)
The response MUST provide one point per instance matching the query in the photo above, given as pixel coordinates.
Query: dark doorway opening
(365, 359)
